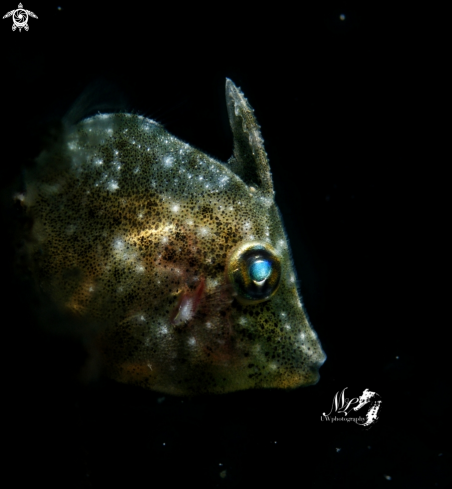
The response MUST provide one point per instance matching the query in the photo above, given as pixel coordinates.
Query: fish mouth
(304, 374)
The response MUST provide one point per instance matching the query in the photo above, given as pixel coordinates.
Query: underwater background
(328, 86)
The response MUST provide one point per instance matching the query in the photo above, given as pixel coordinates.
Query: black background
(334, 102)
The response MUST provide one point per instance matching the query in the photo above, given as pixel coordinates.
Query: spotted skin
(133, 230)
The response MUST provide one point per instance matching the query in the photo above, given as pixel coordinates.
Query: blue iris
(260, 270)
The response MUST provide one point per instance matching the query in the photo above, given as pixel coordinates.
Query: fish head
(180, 259)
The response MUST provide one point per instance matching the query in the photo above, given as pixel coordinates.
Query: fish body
(181, 260)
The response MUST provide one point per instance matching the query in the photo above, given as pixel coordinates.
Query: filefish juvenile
(180, 260)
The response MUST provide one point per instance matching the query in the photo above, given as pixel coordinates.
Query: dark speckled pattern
(133, 230)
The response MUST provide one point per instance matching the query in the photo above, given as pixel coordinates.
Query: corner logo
(342, 406)
(20, 17)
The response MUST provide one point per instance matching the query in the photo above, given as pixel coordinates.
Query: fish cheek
(268, 338)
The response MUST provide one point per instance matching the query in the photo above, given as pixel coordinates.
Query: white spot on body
(204, 231)
(168, 161)
(266, 201)
(118, 244)
(211, 284)
(112, 185)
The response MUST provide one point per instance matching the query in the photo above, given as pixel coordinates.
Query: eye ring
(254, 270)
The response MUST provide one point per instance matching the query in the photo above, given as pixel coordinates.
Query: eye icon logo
(20, 17)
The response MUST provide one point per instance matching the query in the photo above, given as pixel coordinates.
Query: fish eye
(254, 269)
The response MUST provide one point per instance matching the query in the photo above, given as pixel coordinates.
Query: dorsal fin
(250, 160)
